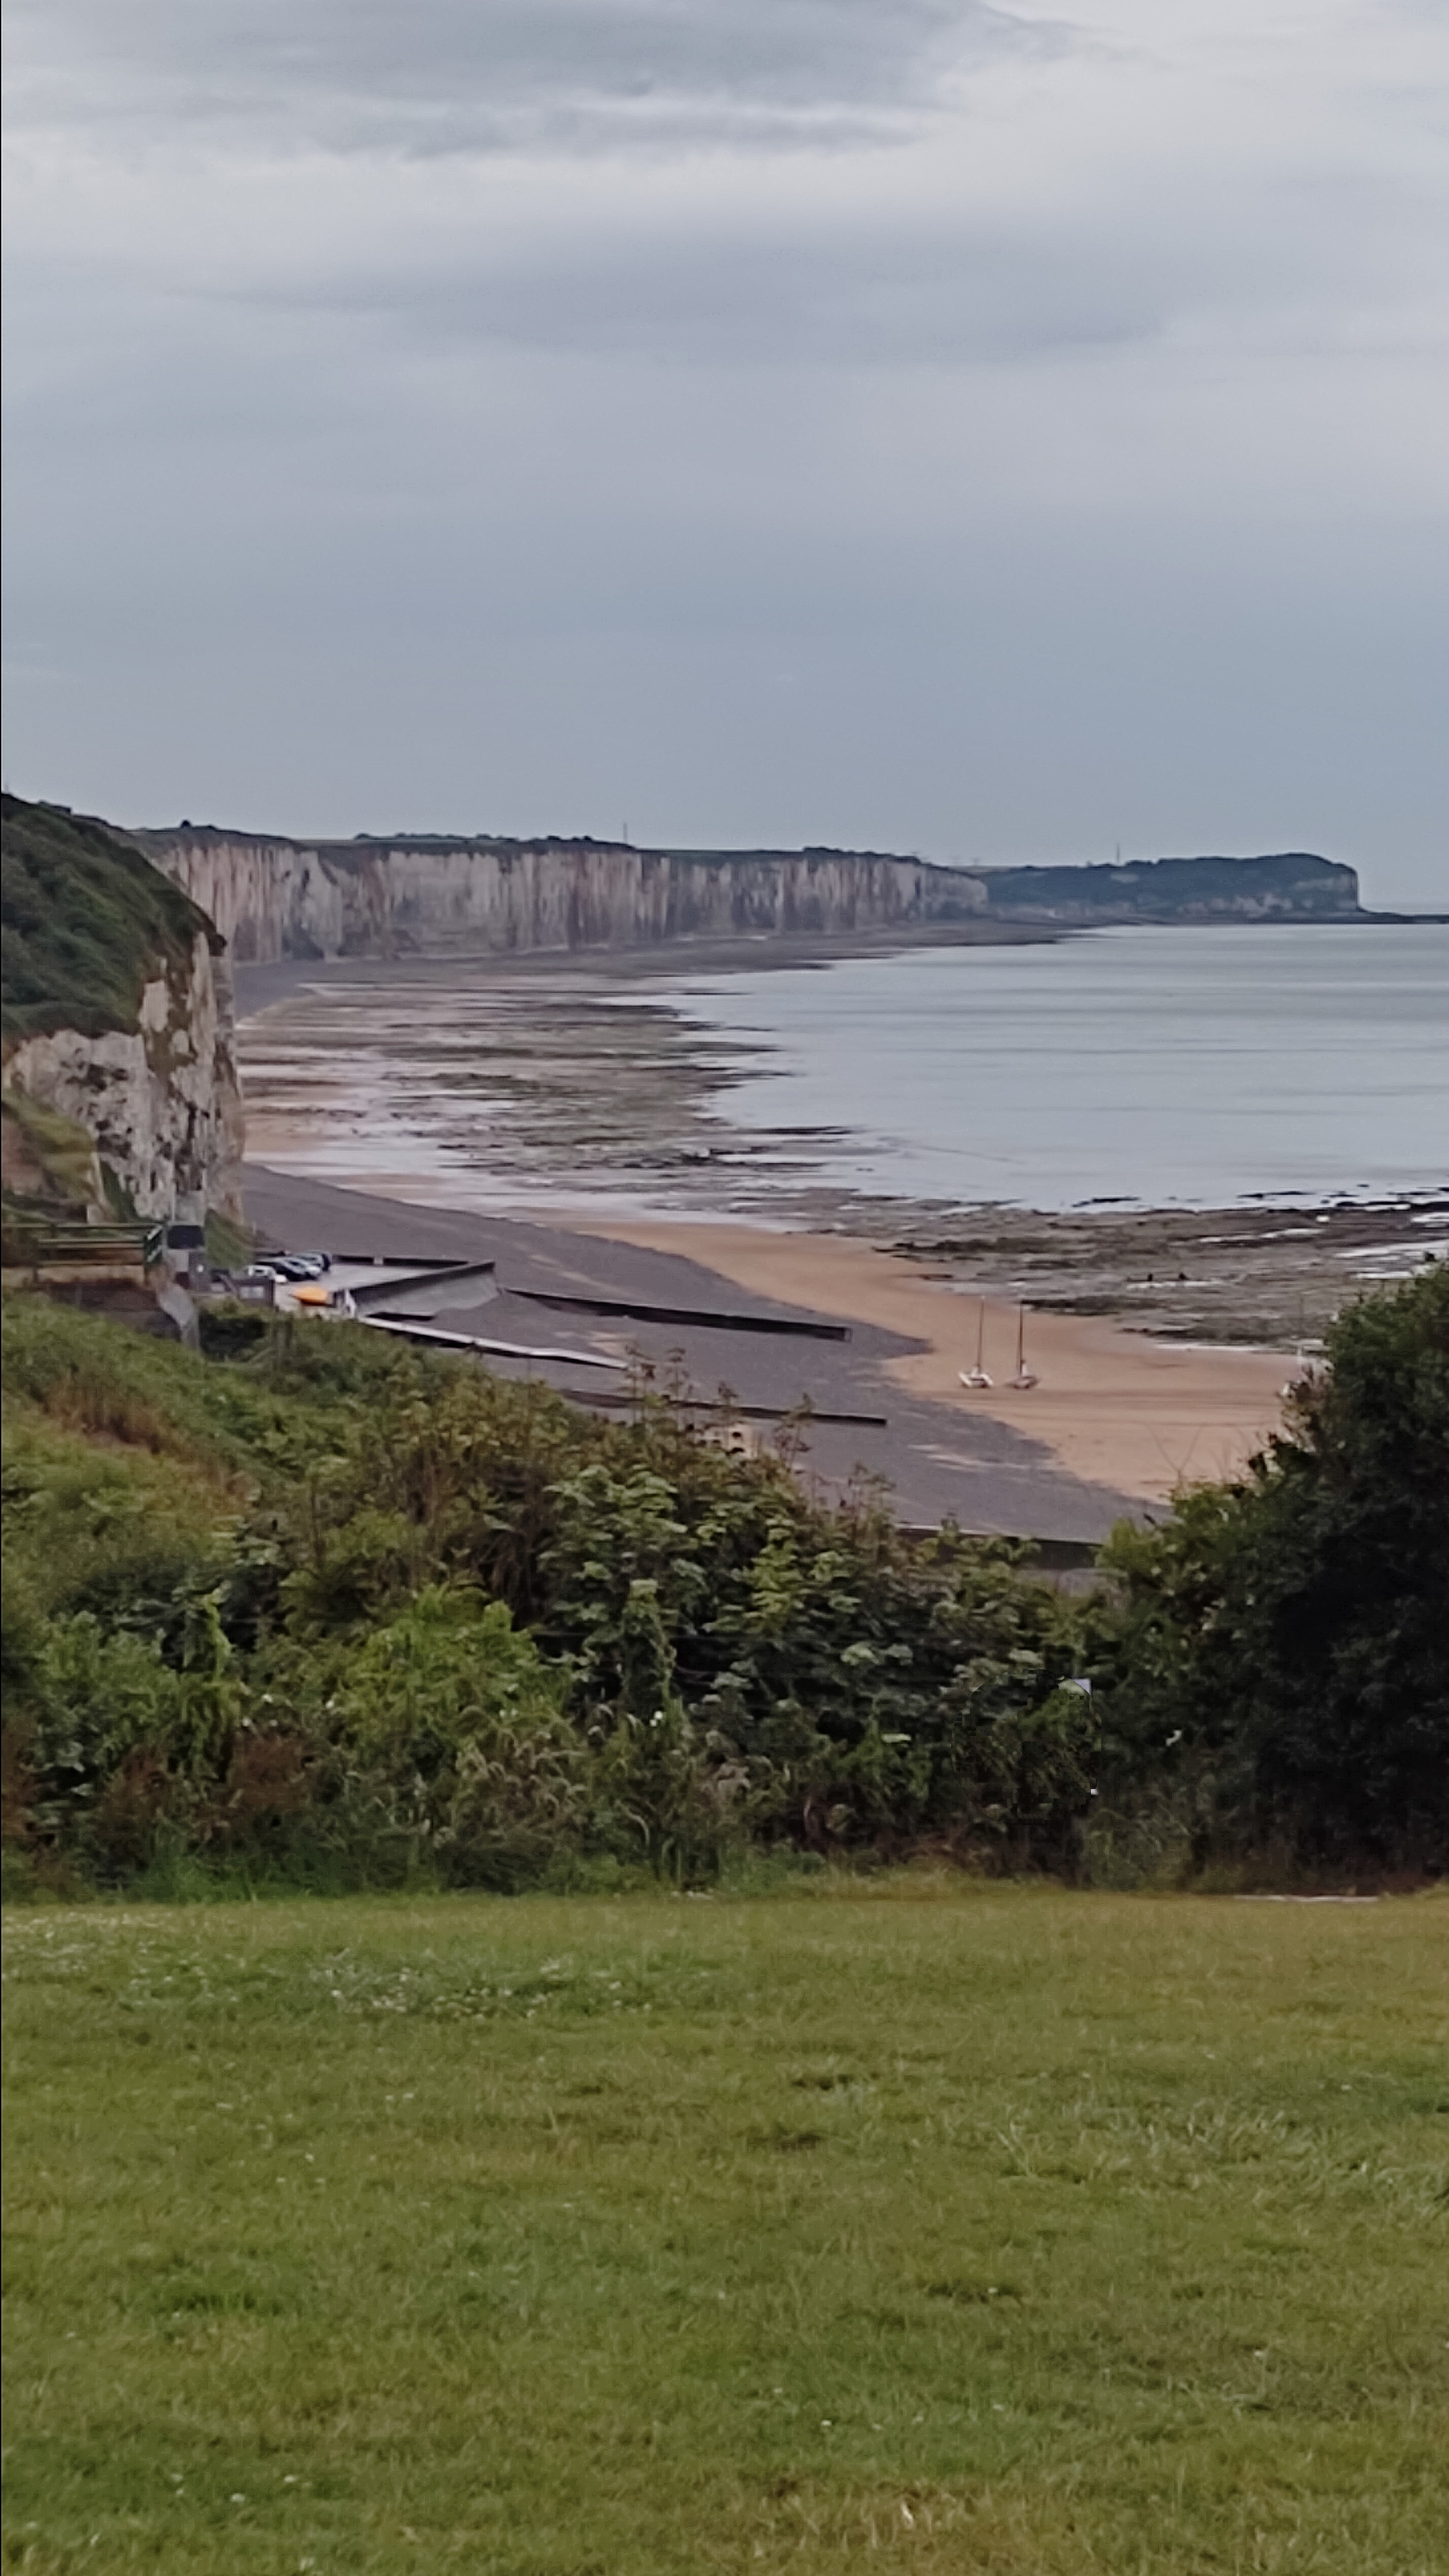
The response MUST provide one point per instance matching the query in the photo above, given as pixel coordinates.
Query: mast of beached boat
(1024, 1377)
(977, 1376)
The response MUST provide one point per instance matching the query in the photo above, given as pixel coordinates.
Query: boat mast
(977, 1377)
(1024, 1377)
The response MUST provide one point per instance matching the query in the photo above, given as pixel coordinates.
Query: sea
(1121, 1069)
(1127, 1068)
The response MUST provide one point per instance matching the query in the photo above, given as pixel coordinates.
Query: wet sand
(1113, 1407)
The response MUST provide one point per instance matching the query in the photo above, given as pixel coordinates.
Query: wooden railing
(32, 1242)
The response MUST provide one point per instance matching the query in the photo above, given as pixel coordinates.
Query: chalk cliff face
(274, 898)
(118, 1074)
(282, 898)
(161, 1103)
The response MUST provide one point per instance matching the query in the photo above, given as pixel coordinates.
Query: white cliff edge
(161, 1103)
(273, 898)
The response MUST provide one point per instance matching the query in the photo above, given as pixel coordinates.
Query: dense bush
(1279, 1649)
(330, 1608)
(317, 1608)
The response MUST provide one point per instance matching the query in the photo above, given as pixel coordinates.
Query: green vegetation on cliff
(85, 923)
(313, 1609)
(1285, 885)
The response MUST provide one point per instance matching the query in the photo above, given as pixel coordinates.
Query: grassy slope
(940, 2229)
(125, 1458)
(87, 922)
(86, 1375)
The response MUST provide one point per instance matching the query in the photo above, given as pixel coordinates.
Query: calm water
(1151, 1068)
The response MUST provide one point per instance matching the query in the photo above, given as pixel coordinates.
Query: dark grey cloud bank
(993, 432)
(454, 75)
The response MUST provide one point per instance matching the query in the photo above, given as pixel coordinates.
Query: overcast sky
(995, 432)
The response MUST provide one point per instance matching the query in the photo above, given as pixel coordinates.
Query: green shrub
(446, 1721)
(323, 1609)
(1281, 1646)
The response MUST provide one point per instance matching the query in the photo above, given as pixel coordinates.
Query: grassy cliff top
(85, 923)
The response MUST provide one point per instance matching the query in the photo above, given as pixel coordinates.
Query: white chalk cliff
(274, 898)
(160, 1103)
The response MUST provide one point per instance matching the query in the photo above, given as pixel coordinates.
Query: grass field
(923, 2226)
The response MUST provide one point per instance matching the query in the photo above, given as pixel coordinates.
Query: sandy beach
(1114, 1407)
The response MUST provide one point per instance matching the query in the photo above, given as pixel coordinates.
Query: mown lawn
(915, 2225)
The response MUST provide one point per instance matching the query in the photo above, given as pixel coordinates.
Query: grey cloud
(1064, 472)
(460, 74)
(936, 300)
